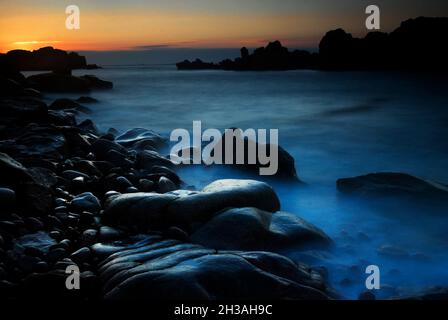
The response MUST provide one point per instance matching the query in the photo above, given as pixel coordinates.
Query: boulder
(138, 137)
(31, 195)
(254, 229)
(183, 208)
(286, 164)
(393, 184)
(153, 268)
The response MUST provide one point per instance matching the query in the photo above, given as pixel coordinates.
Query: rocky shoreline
(114, 206)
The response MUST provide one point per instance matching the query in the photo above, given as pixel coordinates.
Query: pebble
(122, 182)
(80, 255)
(146, 185)
(56, 254)
(165, 185)
(86, 202)
(34, 224)
(89, 236)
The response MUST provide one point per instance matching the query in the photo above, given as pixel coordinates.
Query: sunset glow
(113, 25)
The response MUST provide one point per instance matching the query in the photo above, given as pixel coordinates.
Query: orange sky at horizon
(130, 29)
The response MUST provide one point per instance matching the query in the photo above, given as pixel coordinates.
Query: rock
(182, 208)
(119, 159)
(60, 82)
(254, 229)
(147, 159)
(173, 270)
(7, 200)
(95, 83)
(89, 237)
(176, 234)
(86, 99)
(80, 255)
(146, 185)
(34, 224)
(122, 183)
(165, 185)
(101, 148)
(393, 184)
(64, 103)
(286, 164)
(86, 202)
(46, 58)
(108, 234)
(40, 241)
(140, 137)
(42, 142)
(87, 126)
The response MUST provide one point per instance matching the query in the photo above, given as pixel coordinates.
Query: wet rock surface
(391, 184)
(153, 268)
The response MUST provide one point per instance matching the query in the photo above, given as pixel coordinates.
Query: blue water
(335, 124)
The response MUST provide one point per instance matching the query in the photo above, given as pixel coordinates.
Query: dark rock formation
(418, 44)
(272, 57)
(393, 184)
(45, 59)
(61, 82)
(153, 268)
(254, 229)
(286, 165)
(185, 208)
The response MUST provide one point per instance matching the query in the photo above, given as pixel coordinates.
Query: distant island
(417, 44)
(44, 59)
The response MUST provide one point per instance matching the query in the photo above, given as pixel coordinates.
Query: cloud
(35, 42)
(181, 44)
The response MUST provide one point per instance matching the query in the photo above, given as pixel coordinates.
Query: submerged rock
(153, 268)
(393, 184)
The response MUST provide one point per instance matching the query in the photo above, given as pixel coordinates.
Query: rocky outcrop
(286, 169)
(46, 58)
(62, 82)
(272, 57)
(392, 184)
(153, 268)
(417, 44)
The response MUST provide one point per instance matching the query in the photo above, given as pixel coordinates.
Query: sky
(158, 25)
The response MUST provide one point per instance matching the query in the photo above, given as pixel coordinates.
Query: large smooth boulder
(153, 268)
(254, 229)
(183, 208)
(393, 184)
